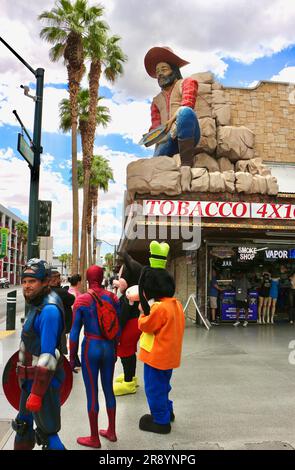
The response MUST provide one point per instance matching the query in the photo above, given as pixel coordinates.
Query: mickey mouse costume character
(129, 275)
(162, 323)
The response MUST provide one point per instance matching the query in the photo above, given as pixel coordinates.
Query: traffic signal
(44, 220)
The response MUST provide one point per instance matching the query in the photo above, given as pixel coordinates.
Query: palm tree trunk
(94, 229)
(74, 88)
(83, 258)
(75, 65)
(94, 75)
(89, 249)
(89, 225)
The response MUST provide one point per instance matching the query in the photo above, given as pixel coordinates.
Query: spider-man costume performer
(98, 355)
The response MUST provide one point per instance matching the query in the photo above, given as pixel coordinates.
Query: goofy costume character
(162, 323)
(129, 275)
(40, 368)
(98, 355)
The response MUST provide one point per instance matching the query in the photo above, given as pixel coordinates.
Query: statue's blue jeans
(187, 127)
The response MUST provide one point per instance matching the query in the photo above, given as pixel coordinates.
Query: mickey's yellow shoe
(120, 379)
(124, 388)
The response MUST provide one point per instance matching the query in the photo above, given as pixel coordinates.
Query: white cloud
(15, 184)
(12, 97)
(285, 75)
(201, 32)
(130, 119)
(252, 84)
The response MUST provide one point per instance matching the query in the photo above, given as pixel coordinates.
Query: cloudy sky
(240, 41)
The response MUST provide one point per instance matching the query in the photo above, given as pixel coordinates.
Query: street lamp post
(33, 249)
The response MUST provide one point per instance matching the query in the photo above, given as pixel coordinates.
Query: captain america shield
(12, 389)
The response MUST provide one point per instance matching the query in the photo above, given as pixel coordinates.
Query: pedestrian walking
(75, 285)
(241, 285)
(67, 298)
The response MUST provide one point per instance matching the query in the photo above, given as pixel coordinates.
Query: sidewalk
(234, 390)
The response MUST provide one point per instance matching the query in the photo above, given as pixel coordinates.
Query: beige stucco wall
(185, 282)
(269, 111)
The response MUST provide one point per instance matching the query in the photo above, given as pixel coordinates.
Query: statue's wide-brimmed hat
(161, 54)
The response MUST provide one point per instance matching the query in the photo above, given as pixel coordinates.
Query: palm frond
(57, 52)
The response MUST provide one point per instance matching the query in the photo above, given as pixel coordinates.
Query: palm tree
(100, 176)
(63, 258)
(67, 24)
(102, 113)
(105, 55)
(102, 118)
(109, 260)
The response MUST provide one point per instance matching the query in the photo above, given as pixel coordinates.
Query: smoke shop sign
(246, 253)
(229, 209)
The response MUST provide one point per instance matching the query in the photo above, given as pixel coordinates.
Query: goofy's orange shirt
(163, 329)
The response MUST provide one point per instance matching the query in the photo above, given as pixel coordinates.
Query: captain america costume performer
(40, 368)
(98, 356)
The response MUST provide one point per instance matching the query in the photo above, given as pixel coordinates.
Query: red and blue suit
(98, 356)
(41, 374)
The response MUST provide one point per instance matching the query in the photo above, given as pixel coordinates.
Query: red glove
(41, 382)
(34, 403)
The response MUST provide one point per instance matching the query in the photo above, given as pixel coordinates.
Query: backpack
(107, 317)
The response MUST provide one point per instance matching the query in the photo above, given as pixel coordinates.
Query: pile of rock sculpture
(225, 159)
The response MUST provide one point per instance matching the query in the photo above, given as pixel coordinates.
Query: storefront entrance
(266, 264)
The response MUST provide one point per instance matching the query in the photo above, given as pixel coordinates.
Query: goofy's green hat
(159, 253)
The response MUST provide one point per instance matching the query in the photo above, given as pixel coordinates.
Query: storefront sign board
(228, 307)
(221, 209)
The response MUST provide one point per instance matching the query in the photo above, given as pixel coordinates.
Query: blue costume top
(43, 327)
(274, 288)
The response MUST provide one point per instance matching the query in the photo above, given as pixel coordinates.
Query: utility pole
(33, 248)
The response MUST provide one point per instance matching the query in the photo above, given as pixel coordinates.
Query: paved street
(234, 390)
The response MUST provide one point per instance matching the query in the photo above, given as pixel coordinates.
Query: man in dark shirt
(67, 300)
(241, 285)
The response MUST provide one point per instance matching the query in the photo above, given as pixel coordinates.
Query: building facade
(236, 231)
(11, 265)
